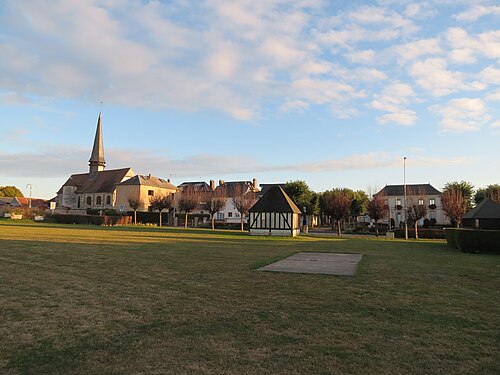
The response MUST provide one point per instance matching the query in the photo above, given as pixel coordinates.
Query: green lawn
(91, 300)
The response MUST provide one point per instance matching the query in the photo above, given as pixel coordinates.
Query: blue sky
(333, 93)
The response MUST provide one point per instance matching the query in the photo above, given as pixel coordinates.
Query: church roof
(97, 182)
(275, 200)
(149, 181)
(486, 209)
(413, 189)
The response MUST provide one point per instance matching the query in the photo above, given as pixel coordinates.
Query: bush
(474, 240)
(429, 233)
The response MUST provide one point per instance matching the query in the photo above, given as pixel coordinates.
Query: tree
(215, 203)
(359, 204)
(415, 212)
(10, 191)
(466, 189)
(134, 203)
(190, 199)
(161, 202)
(377, 209)
(300, 193)
(243, 200)
(491, 191)
(337, 203)
(455, 204)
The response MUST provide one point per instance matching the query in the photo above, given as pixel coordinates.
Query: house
(142, 188)
(486, 215)
(95, 189)
(274, 214)
(416, 194)
(230, 190)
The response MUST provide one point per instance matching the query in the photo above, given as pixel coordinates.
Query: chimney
(221, 182)
(212, 184)
(168, 180)
(149, 176)
(255, 184)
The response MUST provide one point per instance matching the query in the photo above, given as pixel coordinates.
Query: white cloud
(413, 50)
(462, 115)
(484, 44)
(494, 96)
(433, 75)
(496, 124)
(394, 99)
(490, 75)
(462, 56)
(294, 106)
(478, 11)
(362, 57)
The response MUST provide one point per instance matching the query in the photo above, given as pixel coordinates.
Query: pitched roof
(275, 200)
(197, 185)
(35, 202)
(149, 181)
(265, 187)
(232, 188)
(411, 189)
(98, 182)
(487, 209)
(97, 156)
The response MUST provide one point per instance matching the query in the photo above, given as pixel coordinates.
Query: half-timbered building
(275, 214)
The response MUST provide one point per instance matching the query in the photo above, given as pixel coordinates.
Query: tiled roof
(200, 186)
(265, 187)
(275, 200)
(149, 181)
(99, 182)
(35, 202)
(487, 209)
(411, 189)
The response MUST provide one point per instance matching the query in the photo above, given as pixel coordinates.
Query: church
(102, 189)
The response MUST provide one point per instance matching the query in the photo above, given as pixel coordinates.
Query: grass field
(92, 300)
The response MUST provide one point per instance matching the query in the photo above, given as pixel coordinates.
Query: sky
(335, 93)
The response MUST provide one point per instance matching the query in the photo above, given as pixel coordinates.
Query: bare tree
(134, 203)
(243, 200)
(337, 203)
(161, 202)
(190, 199)
(415, 211)
(454, 204)
(377, 209)
(215, 203)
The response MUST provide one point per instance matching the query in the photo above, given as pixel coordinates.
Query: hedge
(473, 240)
(429, 233)
(92, 219)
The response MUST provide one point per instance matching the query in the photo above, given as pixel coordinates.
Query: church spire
(97, 162)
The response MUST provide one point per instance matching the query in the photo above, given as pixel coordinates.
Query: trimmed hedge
(92, 219)
(473, 240)
(429, 233)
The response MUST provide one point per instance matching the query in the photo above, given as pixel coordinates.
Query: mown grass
(88, 300)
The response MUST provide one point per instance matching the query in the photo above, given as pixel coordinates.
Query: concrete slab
(321, 263)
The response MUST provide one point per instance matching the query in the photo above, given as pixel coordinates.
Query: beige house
(142, 188)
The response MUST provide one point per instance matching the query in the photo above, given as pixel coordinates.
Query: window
(151, 193)
(89, 201)
(79, 199)
(108, 200)
(98, 201)
(432, 201)
(398, 202)
(229, 214)
(420, 202)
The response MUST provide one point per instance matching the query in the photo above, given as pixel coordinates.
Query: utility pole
(31, 187)
(404, 185)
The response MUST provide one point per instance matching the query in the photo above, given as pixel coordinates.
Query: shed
(486, 215)
(274, 214)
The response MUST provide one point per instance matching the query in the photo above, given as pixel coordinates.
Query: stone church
(101, 189)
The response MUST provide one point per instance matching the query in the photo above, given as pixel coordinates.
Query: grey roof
(98, 182)
(487, 209)
(97, 156)
(411, 189)
(275, 200)
(265, 187)
(231, 188)
(200, 186)
(149, 181)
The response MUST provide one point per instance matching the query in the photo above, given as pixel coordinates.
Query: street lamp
(31, 187)
(404, 185)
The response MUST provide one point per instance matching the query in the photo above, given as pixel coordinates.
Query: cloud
(490, 75)
(462, 115)
(362, 57)
(483, 44)
(494, 96)
(432, 75)
(478, 11)
(394, 99)
(413, 50)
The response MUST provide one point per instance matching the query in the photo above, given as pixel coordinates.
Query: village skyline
(335, 95)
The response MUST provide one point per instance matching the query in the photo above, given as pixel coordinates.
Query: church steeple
(97, 162)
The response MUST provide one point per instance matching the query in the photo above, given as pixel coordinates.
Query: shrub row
(473, 240)
(422, 233)
(92, 219)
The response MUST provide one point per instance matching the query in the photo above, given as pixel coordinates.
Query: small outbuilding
(275, 214)
(486, 215)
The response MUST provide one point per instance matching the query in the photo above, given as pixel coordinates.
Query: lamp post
(404, 202)
(31, 187)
